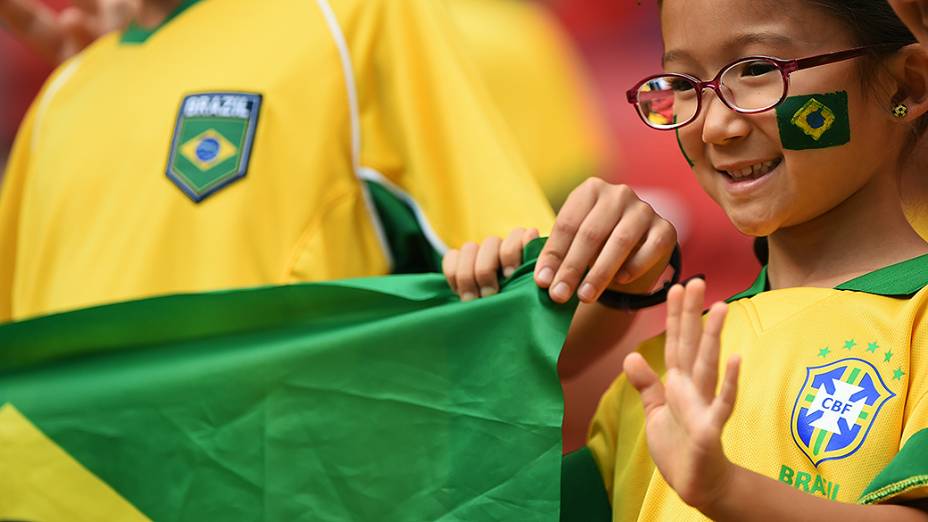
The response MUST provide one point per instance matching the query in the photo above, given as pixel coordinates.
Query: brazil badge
(212, 141)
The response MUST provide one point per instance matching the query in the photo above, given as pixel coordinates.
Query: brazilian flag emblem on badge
(816, 121)
(212, 141)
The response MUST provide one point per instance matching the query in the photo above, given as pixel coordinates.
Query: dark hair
(873, 22)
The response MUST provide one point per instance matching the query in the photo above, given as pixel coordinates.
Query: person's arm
(685, 418)
(12, 184)
(748, 496)
(430, 130)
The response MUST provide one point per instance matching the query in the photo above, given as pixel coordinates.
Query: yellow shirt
(538, 82)
(248, 143)
(833, 385)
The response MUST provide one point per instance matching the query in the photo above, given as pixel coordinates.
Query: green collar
(135, 34)
(898, 280)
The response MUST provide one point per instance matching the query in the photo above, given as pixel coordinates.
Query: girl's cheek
(686, 156)
(690, 144)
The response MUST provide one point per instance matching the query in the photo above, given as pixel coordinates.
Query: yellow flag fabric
(40, 481)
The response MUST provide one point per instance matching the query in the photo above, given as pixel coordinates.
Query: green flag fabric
(366, 400)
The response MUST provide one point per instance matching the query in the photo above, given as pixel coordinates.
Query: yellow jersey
(537, 80)
(247, 143)
(833, 398)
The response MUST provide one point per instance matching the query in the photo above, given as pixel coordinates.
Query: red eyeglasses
(749, 85)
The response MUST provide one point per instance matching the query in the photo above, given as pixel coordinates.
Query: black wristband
(623, 301)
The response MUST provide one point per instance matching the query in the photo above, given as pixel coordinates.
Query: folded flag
(373, 400)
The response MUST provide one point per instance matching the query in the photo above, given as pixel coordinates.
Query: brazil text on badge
(212, 141)
(836, 407)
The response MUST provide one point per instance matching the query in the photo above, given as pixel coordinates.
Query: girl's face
(701, 37)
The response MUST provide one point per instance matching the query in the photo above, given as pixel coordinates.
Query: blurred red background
(619, 42)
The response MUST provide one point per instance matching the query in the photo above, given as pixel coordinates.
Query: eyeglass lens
(749, 85)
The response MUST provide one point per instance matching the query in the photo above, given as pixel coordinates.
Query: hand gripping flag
(375, 399)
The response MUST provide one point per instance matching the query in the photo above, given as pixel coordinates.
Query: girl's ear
(915, 15)
(910, 70)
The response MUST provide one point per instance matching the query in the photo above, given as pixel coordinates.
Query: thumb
(643, 378)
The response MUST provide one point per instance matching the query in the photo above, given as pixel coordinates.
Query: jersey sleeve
(905, 478)
(430, 135)
(540, 86)
(11, 193)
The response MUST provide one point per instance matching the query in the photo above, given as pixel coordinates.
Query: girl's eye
(680, 85)
(757, 68)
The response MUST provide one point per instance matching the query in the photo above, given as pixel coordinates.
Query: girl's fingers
(487, 267)
(588, 242)
(706, 367)
(672, 334)
(656, 248)
(568, 222)
(528, 236)
(449, 267)
(465, 278)
(626, 236)
(642, 377)
(510, 252)
(690, 325)
(724, 404)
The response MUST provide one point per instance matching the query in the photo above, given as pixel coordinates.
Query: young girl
(798, 117)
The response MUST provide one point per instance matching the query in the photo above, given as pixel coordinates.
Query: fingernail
(468, 296)
(587, 292)
(561, 291)
(508, 271)
(487, 291)
(545, 276)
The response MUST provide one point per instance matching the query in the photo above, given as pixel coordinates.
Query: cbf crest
(836, 408)
(212, 141)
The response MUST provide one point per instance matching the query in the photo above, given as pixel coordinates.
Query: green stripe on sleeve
(583, 495)
(906, 476)
(411, 250)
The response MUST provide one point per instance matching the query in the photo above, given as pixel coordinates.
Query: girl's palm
(684, 415)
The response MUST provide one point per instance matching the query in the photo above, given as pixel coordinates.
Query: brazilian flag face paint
(814, 121)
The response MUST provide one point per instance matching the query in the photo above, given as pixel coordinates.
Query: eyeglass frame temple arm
(824, 59)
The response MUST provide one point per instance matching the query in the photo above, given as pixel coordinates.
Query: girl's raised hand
(608, 230)
(684, 415)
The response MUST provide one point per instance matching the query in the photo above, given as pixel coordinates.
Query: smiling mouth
(752, 172)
